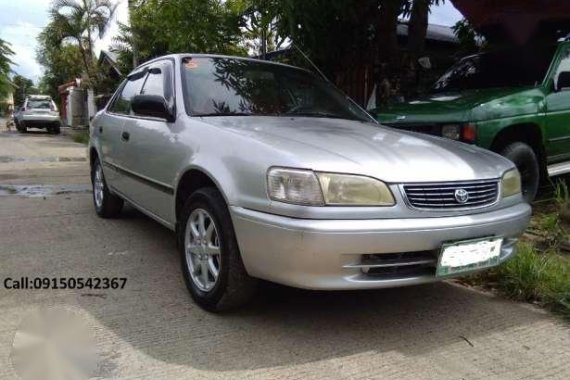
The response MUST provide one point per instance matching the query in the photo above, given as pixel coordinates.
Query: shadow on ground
(285, 326)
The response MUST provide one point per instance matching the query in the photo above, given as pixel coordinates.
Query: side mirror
(563, 82)
(152, 106)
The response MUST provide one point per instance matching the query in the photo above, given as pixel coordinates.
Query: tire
(54, 129)
(232, 287)
(526, 161)
(107, 205)
(21, 128)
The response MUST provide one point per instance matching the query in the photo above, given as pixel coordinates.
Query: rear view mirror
(152, 106)
(563, 82)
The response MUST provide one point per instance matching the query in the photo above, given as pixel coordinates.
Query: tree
(259, 24)
(469, 40)
(62, 62)
(24, 87)
(418, 24)
(159, 27)
(78, 21)
(5, 67)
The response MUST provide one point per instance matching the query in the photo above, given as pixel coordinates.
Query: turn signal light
(469, 133)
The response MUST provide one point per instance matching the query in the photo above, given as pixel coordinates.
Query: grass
(532, 276)
(540, 272)
(81, 136)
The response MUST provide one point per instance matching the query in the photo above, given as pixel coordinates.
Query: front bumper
(347, 254)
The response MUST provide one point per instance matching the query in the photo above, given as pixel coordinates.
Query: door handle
(100, 129)
(125, 136)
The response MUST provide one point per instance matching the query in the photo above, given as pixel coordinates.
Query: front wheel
(524, 157)
(107, 204)
(211, 262)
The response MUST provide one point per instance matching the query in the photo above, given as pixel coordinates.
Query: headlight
(305, 187)
(294, 186)
(352, 190)
(451, 131)
(511, 183)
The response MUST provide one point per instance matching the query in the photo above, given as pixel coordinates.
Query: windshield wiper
(318, 114)
(224, 114)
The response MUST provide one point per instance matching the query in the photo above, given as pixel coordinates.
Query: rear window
(39, 104)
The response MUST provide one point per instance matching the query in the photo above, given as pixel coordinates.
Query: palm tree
(5, 69)
(79, 20)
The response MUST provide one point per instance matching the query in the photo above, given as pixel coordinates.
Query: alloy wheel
(202, 248)
(98, 186)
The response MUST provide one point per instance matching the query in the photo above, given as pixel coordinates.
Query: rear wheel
(54, 129)
(211, 262)
(21, 127)
(526, 161)
(107, 204)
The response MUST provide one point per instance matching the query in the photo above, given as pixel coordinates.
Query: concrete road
(152, 330)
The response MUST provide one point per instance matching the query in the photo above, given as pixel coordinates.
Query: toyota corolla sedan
(265, 171)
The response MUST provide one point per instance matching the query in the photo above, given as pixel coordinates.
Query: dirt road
(151, 329)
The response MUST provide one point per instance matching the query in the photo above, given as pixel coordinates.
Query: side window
(122, 103)
(154, 84)
(564, 64)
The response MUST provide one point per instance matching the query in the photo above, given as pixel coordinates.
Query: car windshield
(39, 104)
(237, 87)
(518, 67)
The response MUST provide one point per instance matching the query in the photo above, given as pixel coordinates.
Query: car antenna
(311, 62)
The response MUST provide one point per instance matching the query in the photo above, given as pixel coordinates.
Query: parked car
(515, 102)
(267, 172)
(38, 111)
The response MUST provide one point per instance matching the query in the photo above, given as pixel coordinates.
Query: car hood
(441, 108)
(346, 146)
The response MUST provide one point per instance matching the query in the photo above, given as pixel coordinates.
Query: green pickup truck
(515, 102)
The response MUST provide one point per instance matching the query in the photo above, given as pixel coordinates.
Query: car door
(152, 152)
(558, 112)
(110, 130)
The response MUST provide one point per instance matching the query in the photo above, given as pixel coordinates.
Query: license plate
(470, 255)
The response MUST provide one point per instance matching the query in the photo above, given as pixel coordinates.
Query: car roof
(180, 56)
(39, 97)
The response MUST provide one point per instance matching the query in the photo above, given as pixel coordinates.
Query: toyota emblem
(461, 196)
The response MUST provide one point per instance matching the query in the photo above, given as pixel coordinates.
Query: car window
(154, 84)
(234, 87)
(39, 104)
(122, 103)
(515, 67)
(564, 64)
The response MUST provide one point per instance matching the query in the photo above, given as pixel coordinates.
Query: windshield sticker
(191, 65)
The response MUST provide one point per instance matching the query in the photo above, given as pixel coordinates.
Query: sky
(22, 20)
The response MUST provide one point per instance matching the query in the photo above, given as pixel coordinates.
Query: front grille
(397, 265)
(428, 129)
(448, 195)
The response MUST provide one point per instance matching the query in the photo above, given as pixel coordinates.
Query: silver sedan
(265, 171)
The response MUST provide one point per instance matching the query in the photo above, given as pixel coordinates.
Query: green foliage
(469, 40)
(160, 27)
(333, 33)
(5, 67)
(81, 136)
(534, 276)
(562, 194)
(24, 87)
(76, 21)
(62, 62)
